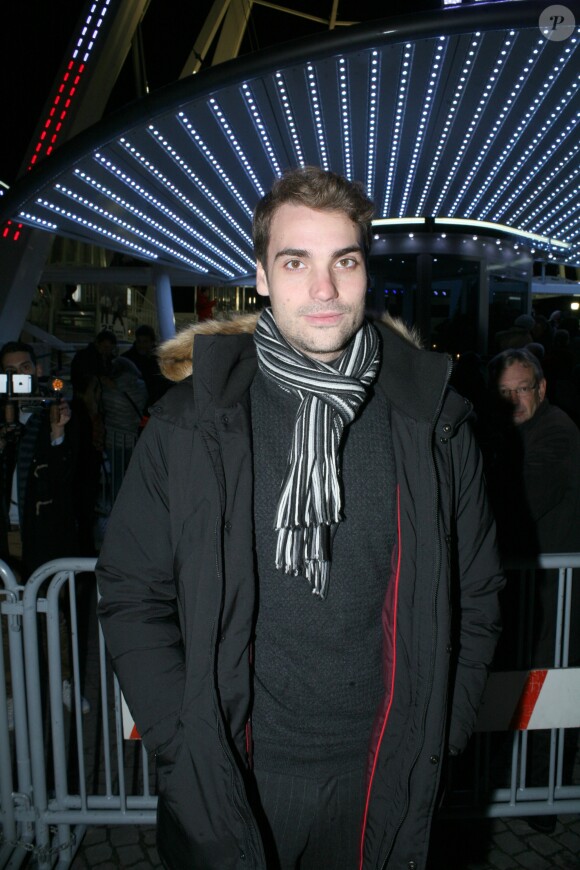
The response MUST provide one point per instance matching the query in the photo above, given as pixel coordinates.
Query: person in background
(316, 463)
(142, 354)
(93, 360)
(534, 476)
(534, 483)
(37, 467)
(204, 305)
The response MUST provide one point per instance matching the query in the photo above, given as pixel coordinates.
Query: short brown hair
(318, 189)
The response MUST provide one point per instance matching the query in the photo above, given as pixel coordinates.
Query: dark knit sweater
(318, 674)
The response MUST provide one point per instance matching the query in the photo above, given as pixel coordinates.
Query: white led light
(28, 217)
(237, 148)
(444, 136)
(289, 116)
(212, 160)
(395, 137)
(371, 151)
(187, 202)
(514, 141)
(317, 113)
(125, 225)
(343, 84)
(533, 172)
(175, 191)
(98, 228)
(467, 137)
(164, 228)
(436, 64)
(488, 225)
(260, 126)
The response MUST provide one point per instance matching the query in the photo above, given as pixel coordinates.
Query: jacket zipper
(250, 821)
(434, 611)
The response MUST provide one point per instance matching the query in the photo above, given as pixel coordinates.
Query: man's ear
(542, 389)
(261, 281)
(38, 369)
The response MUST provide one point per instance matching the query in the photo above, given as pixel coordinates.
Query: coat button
(412, 865)
(444, 440)
(447, 428)
(434, 759)
(225, 419)
(449, 648)
(242, 856)
(228, 526)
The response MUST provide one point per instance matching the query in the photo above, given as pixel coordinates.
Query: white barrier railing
(62, 770)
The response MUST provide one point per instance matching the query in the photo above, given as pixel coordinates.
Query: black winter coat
(45, 483)
(178, 586)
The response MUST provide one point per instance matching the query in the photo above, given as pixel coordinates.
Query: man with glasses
(536, 474)
(534, 483)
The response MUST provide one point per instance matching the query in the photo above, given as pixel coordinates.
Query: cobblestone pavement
(493, 844)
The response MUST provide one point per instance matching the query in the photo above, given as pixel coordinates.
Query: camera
(17, 390)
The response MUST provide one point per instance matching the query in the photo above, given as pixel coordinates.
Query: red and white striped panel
(531, 700)
(512, 701)
(129, 728)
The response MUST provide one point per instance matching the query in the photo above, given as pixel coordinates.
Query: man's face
(144, 345)
(106, 348)
(517, 385)
(316, 279)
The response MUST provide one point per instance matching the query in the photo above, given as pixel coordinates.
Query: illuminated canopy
(467, 113)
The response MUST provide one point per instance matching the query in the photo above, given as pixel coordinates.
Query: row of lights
(439, 49)
(65, 94)
(146, 218)
(260, 128)
(434, 80)
(344, 94)
(110, 167)
(211, 159)
(117, 221)
(562, 104)
(316, 107)
(397, 124)
(499, 122)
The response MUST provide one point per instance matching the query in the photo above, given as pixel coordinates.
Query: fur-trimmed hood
(176, 354)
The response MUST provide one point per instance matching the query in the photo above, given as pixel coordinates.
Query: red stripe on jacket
(389, 619)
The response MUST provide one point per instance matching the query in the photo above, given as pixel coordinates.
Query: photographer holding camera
(37, 462)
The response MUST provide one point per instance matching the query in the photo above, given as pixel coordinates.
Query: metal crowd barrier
(61, 770)
(524, 759)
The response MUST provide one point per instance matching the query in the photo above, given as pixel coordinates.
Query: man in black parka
(299, 579)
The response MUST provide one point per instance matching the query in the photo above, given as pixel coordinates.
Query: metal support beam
(164, 304)
(206, 37)
(233, 29)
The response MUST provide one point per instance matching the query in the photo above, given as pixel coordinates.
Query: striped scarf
(330, 396)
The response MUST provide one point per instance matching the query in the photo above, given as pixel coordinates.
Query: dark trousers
(310, 824)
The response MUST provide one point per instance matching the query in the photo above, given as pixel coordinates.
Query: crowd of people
(54, 450)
